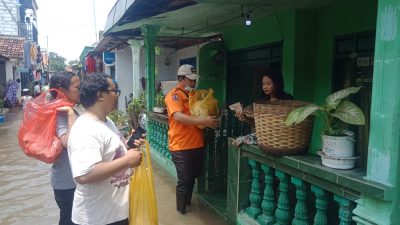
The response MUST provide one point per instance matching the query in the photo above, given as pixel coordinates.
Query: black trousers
(189, 164)
(64, 199)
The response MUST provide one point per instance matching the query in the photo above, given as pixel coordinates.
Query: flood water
(25, 193)
(26, 197)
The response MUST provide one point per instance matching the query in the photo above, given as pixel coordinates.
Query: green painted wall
(213, 74)
(304, 55)
(345, 17)
(264, 31)
(308, 44)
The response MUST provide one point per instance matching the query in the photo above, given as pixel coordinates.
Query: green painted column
(321, 204)
(149, 35)
(268, 203)
(300, 211)
(384, 145)
(254, 210)
(282, 212)
(384, 141)
(345, 208)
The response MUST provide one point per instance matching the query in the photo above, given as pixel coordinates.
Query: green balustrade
(254, 210)
(268, 203)
(282, 213)
(300, 211)
(321, 204)
(345, 208)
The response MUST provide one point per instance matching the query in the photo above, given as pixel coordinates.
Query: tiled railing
(294, 190)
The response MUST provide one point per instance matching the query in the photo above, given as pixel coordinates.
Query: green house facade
(320, 47)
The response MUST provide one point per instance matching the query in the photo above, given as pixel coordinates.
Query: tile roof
(12, 47)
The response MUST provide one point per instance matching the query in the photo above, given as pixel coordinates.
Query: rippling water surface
(26, 197)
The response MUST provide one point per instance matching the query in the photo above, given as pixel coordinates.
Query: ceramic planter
(338, 163)
(338, 146)
(159, 110)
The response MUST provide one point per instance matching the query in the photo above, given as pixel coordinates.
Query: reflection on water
(26, 196)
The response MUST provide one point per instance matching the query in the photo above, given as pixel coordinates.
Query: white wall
(9, 71)
(169, 72)
(107, 69)
(123, 74)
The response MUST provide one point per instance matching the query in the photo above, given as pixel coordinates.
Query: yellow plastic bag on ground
(142, 197)
(202, 103)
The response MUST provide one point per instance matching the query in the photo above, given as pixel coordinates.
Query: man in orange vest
(186, 141)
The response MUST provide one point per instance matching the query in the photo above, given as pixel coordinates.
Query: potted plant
(120, 119)
(135, 107)
(159, 103)
(337, 113)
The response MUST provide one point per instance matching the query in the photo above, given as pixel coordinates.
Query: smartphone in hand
(138, 134)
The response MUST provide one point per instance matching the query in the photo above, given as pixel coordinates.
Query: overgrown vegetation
(135, 107)
(159, 100)
(119, 118)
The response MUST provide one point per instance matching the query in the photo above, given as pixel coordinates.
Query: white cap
(188, 71)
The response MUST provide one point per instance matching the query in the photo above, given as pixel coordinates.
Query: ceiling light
(248, 20)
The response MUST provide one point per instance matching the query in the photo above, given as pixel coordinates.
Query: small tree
(56, 62)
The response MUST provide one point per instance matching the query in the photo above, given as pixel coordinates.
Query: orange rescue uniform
(181, 136)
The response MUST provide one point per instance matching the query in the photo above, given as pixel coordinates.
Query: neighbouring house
(19, 33)
(11, 55)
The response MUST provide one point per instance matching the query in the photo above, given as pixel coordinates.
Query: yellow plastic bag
(142, 197)
(202, 103)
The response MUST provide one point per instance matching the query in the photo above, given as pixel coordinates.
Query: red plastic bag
(37, 134)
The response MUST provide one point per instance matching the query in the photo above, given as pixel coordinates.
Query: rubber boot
(181, 203)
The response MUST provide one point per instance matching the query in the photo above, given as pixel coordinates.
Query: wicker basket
(248, 114)
(273, 135)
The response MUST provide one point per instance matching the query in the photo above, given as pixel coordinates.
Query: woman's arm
(71, 117)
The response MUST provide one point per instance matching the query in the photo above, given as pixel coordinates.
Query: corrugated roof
(12, 47)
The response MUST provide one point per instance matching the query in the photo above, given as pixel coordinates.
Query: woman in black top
(272, 89)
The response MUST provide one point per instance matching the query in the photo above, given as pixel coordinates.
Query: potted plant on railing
(135, 107)
(159, 103)
(337, 113)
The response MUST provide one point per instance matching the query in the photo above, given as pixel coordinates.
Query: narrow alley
(27, 198)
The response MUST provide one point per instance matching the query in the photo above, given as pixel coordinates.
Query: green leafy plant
(336, 113)
(118, 117)
(137, 104)
(159, 100)
(135, 107)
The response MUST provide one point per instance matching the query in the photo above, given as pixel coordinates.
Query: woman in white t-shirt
(100, 162)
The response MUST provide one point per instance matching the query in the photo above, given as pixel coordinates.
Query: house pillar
(135, 48)
(150, 34)
(384, 143)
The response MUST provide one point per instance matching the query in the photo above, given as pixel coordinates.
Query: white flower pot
(338, 163)
(338, 146)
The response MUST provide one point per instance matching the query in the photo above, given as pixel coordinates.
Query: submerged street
(26, 196)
